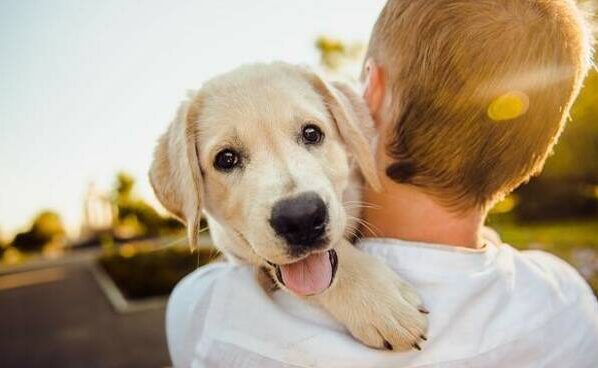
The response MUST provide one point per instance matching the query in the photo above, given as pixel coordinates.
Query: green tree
(47, 227)
(568, 185)
(575, 155)
(140, 217)
(124, 185)
(3, 244)
(336, 54)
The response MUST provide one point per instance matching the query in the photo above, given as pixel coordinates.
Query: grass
(574, 241)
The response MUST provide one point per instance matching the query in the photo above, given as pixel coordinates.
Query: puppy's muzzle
(301, 221)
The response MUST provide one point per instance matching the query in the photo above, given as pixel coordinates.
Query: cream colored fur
(259, 109)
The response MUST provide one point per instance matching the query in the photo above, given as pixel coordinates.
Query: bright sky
(86, 87)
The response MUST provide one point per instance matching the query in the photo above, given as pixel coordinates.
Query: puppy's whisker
(368, 226)
(371, 227)
(214, 255)
(174, 242)
(361, 204)
(354, 232)
(358, 206)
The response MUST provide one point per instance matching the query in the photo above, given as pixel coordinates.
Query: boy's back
(496, 307)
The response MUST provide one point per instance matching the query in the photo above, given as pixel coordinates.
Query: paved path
(67, 321)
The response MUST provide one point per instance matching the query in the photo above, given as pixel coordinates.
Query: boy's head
(473, 94)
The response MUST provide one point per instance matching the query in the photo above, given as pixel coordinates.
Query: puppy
(274, 157)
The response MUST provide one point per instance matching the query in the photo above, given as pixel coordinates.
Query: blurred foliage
(3, 242)
(136, 217)
(124, 185)
(12, 256)
(141, 271)
(338, 56)
(545, 199)
(47, 230)
(568, 186)
(3, 246)
(576, 155)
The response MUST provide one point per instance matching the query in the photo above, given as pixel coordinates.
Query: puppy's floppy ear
(174, 174)
(353, 121)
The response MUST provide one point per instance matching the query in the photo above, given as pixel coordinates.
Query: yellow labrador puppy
(273, 156)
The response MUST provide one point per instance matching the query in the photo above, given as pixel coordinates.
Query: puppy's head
(265, 151)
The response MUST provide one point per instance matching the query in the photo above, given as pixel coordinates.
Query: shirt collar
(409, 255)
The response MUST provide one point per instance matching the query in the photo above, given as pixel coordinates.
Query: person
(469, 98)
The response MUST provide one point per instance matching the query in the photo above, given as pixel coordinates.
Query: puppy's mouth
(310, 275)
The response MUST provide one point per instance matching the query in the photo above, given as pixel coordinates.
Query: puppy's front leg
(376, 306)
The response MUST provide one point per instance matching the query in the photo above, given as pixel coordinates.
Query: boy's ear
(373, 91)
(353, 121)
(174, 174)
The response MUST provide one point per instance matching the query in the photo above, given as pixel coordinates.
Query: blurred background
(87, 255)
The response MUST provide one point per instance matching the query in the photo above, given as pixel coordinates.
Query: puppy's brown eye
(311, 134)
(227, 160)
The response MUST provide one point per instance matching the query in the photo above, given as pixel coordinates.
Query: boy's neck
(405, 212)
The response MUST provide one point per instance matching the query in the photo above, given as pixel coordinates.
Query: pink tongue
(309, 276)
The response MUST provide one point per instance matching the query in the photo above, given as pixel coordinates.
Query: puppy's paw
(389, 315)
(375, 305)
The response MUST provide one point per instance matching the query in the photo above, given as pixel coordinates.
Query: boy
(468, 98)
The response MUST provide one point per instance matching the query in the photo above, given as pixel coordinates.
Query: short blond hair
(450, 66)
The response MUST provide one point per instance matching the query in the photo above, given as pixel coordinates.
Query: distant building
(98, 213)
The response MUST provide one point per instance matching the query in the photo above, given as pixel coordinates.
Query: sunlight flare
(508, 106)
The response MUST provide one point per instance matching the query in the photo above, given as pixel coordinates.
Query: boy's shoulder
(569, 333)
(191, 302)
(196, 290)
(556, 274)
(553, 288)
(213, 273)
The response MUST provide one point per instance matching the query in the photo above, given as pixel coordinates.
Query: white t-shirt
(497, 307)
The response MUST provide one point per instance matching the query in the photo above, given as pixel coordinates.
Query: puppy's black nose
(301, 221)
